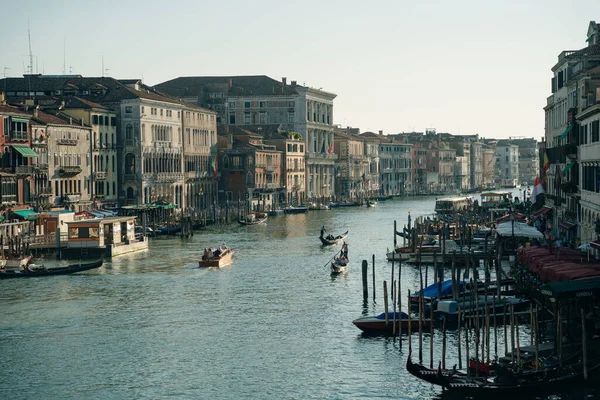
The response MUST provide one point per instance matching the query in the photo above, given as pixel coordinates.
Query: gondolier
(345, 249)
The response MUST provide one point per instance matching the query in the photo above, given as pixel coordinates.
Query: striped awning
(25, 151)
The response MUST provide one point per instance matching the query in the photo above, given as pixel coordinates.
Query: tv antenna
(30, 53)
(104, 70)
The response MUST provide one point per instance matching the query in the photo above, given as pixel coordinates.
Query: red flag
(330, 149)
(537, 189)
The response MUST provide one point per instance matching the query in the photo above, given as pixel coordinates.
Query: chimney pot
(230, 83)
(381, 132)
(294, 83)
(284, 81)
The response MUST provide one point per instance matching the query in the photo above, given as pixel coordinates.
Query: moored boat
(33, 271)
(377, 324)
(295, 210)
(223, 258)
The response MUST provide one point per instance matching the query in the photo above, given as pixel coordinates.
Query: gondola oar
(336, 253)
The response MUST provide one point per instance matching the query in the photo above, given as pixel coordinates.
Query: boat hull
(221, 261)
(374, 325)
(336, 240)
(71, 269)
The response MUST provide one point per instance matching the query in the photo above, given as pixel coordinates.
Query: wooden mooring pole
(365, 266)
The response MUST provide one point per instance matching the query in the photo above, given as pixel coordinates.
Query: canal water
(273, 325)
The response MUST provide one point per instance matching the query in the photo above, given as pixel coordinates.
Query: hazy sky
(462, 66)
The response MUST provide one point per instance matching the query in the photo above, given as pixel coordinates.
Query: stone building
(261, 104)
(507, 163)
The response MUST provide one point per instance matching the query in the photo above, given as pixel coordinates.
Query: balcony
(100, 175)
(44, 191)
(272, 185)
(41, 167)
(24, 170)
(69, 171)
(270, 168)
(67, 142)
(72, 198)
(19, 136)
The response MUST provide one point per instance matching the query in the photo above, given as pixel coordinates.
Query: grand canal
(275, 324)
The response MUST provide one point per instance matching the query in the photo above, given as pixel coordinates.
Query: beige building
(293, 152)
(199, 151)
(63, 144)
(103, 121)
(351, 167)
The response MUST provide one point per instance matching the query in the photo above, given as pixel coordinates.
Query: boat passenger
(210, 253)
(217, 252)
(205, 255)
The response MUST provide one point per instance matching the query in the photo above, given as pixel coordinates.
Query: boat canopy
(520, 230)
(571, 289)
(432, 290)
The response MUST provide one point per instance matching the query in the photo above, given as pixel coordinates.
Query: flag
(330, 149)
(546, 166)
(213, 165)
(537, 189)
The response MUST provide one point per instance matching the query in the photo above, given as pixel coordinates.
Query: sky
(462, 66)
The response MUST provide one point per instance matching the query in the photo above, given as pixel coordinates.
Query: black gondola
(330, 239)
(505, 381)
(34, 272)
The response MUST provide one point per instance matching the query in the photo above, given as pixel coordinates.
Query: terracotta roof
(78, 102)
(8, 109)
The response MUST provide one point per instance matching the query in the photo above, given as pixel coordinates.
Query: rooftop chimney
(2, 98)
(70, 120)
(284, 81)
(230, 83)
(294, 83)
(36, 111)
(381, 132)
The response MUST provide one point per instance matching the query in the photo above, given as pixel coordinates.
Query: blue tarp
(432, 290)
(391, 316)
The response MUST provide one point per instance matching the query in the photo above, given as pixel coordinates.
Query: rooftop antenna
(30, 53)
(104, 70)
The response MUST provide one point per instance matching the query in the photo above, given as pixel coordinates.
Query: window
(246, 104)
(290, 104)
(232, 118)
(232, 104)
(262, 104)
(247, 118)
(128, 109)
(263, 117)
(94, 119)
(291, 117)
(161, 112)
(113, 121)
(142, 109)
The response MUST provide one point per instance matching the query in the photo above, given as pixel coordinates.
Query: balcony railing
(41, 167)
(270, 168)
(44, 191)
(67, 142)
(69, 171)
(72, 198)
(24, 170)
(100, 175)
(272, 185)
(19, 136)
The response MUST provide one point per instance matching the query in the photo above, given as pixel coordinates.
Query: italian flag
(537, 189)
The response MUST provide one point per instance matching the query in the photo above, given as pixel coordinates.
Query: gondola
(339, 265)
(505, 381)
(253, 219)
(33, 271)
(330, 239)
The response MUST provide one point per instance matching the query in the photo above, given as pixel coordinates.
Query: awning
(25, 151)
(27, 214)
(571, 289)
(595, 244)
(566, 224)
(20, 120)
(517, 229)
(564, 134)
(541, 211)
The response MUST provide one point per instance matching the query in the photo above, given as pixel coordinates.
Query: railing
(19, 136)
(69, 170)
(41, 167)
(44, 191)
(168, 177)
(72, 198)
(24, 170)
(100, 175)
(272, 185)
(67, 142)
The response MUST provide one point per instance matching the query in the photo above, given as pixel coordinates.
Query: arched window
(129, 132)
(129, 164)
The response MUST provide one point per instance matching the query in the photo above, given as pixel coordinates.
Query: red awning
(566, 224)
(595, 244)
(541, 211)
